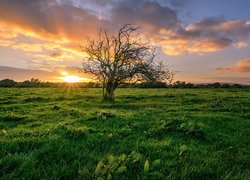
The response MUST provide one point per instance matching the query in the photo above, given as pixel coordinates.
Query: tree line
(36, 83)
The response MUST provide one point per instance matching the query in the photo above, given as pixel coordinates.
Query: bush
(7, 83)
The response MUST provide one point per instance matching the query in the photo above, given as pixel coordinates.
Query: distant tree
(179, 84)
(35, 82)
(151, 84)
(122, 58)
(7, 83)
(216, 85)
(30, 83)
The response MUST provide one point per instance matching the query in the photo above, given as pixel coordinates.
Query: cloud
(241, 66)
(63, 24)
(56, 54)
(177, 3)
(148, 14)
(220, 27)
(209, 45)
(180, 45)
(208, 35)
(240, 45)
(49, 19)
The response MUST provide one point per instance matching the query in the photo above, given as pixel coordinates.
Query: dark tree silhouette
(7, 83)
(122, 58)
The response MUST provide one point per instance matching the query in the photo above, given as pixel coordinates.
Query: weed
(193, 129)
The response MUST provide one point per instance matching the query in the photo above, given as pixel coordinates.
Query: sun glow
(71, 79)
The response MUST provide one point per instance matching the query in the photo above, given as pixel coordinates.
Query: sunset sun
(71, 79)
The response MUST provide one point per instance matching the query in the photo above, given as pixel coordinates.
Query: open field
(147, 133)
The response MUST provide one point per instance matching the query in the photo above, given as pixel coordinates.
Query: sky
(202, 41)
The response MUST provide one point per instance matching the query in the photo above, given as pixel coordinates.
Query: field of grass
(146, 134)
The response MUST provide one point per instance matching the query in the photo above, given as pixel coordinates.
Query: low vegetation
(9, 83)
(66, 133)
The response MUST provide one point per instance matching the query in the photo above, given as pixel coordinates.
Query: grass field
(146, 134)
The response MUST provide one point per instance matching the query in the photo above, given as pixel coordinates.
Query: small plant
(163, 127)
(105, 115)
(193, 128)
(182, 149)
(115, 165)
(146, 166)
(56, 108)
(69, 132)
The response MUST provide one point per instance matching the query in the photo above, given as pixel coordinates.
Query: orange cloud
(209, 45)
(61, 25)
(240, 45)
(49, 19)
(180, 46)
(241, 66)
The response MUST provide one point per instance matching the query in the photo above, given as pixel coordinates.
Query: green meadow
(69, 133)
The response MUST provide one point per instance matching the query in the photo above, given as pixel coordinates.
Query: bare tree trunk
(103, 89)
(109, 94)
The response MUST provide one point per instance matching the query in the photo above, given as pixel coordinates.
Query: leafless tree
(122, 58)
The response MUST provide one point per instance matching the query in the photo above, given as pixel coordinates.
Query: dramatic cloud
(149, 15)
(210, 45)
(219, 27)
(68, 22)
(208, 35)
(49, 19)
(241, 66)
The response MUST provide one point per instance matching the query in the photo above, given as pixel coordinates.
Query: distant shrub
(152, 84)
(7, 83)
(33, 82)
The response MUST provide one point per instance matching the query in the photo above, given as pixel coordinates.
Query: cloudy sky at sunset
(201, 40)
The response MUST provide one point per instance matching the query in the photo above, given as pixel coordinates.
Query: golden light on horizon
(71, 79)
